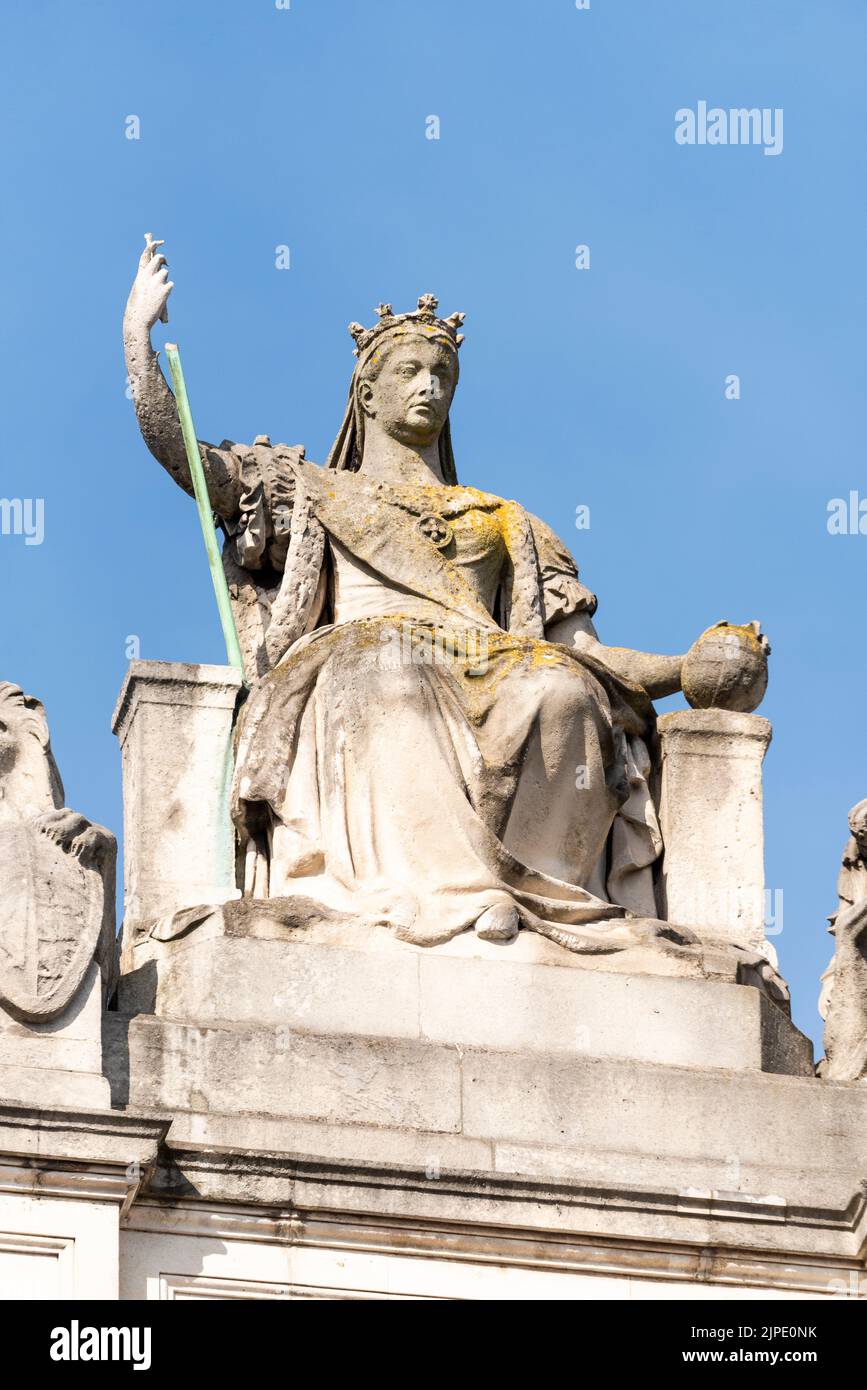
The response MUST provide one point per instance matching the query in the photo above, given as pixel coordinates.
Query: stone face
(711, 814)
(174, 723)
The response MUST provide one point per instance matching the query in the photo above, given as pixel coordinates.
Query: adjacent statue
(843, 1001)
(435, 739)
(57, 873)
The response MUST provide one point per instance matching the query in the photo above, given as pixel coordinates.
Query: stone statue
(435, 739)
(57, 872)
(843, 1001)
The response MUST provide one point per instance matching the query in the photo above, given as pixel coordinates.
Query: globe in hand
(727, 668)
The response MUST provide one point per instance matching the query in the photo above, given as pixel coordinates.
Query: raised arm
(154, 403)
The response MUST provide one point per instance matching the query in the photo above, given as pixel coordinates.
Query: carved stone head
(858, 825)
(403, 384)
(407, 387)
(29, 778)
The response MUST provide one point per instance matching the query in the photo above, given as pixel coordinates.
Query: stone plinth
(711, 818)
(473, 1121)
(309, 1165)
(174, 723)
(263, 980)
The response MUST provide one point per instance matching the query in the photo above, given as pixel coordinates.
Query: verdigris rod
(206, 515)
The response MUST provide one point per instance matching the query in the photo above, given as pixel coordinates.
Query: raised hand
(154, 403)
(150, 289)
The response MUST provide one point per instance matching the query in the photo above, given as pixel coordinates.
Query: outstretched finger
(151, 246)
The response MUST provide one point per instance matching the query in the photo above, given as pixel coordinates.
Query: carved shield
(51, 919)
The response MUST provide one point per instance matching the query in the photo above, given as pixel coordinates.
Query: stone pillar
(711, 818)
(174, 723)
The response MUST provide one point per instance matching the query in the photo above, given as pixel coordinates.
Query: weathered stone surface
(58, 1062)
(53, 1086)
(489, 759)
(180, 1249)
(843, 1002)
(174, 723)
(774, 1122)
(56, 874)
(713, 873)
(57, 947)
(241, 967)
(277, 1072)
(607, 1169)
(68, 1173)
(716, 1122)
(52, 1135)
(499, 1006)
(70, 1042)
(727, 668)
(434, 1151)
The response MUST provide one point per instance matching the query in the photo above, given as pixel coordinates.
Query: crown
(425, 316)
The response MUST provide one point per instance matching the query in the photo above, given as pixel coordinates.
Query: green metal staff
(206, 515)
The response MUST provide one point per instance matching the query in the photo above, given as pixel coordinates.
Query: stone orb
(727, 668)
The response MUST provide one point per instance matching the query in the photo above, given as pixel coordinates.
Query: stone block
(711, 819)
(325, 979)
(276, 1072)
(58, 1062)
(174, 723)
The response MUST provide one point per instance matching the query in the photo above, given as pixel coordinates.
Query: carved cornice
(711, 1237)
(470, 1241)
(103, 1155)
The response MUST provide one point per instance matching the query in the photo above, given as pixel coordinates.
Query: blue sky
(306, 127)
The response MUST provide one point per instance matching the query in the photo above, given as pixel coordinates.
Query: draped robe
(413, 750)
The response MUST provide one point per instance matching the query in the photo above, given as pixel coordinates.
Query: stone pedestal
(711, 818)
(384, 1121)
(252, 982)
(174, 723)
(311, 1109)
